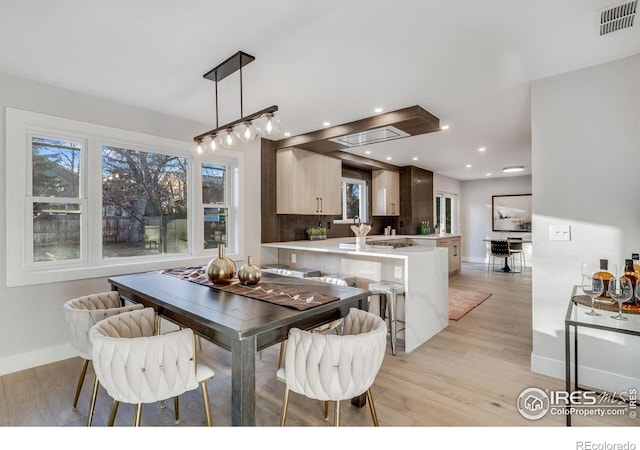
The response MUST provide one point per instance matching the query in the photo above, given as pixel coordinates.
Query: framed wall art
(511, 212)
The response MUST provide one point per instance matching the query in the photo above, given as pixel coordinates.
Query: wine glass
(621, 290)
(588, 269)
(593, 286)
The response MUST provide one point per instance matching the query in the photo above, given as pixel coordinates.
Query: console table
(576, 318)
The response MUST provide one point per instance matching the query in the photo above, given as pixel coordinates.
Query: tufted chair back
(80, 315)
(335, 367)
(330, 280)
(84, 312)
(135, 366)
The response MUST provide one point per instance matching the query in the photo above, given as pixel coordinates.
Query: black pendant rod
(217, 104)
(241, 114)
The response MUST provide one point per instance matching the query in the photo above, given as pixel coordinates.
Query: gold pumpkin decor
(222, 269)
(249, 273)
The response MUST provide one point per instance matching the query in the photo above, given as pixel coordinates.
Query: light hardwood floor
(468, 375)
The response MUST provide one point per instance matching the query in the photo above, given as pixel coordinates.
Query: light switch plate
(293, 258)
(560, 232)
(397, 271)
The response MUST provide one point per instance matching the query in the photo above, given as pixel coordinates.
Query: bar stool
(390, 290)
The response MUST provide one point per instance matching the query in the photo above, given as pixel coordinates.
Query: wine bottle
(636, 261)
(606, 277)
(631, 273)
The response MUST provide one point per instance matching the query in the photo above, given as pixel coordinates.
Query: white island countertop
(333, 245)
(421, 267)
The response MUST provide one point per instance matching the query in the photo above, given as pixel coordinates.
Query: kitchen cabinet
(385, 186)
(453, 244)
(307, 182)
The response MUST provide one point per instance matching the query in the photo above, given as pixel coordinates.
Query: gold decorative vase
(222, 269)
(249, 273)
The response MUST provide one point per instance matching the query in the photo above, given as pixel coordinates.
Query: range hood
(398, 124)
(367, 137)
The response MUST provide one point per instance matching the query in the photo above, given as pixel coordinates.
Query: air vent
(382, 134)
(617, 17)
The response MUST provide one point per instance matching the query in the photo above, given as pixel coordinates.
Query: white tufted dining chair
(331, 326)
(330, 367)
(80, 315)
(137, 366)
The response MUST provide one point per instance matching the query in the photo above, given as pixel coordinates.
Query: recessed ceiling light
(513, 169)
(368, 152)
(415, 158)
(482, 149)
(444, 127)
(378, 110)
(468, 165)
(488, 174)
(388, 158)
(326, 124)
(287, 134)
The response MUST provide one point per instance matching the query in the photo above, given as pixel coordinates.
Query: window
(54, 199)
(446, 212)
(215, 202)
(354, 200)
(89, 201)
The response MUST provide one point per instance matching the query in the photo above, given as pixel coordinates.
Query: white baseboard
(474, 259)
(587, 376)
(48, 355)
(36, 358)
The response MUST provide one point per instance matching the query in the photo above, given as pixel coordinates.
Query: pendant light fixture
(247, 128)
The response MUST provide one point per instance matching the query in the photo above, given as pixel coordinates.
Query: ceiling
(469, 63)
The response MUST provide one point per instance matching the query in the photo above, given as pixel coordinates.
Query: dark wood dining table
(237, 323)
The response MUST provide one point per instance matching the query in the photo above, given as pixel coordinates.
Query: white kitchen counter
(423, 268)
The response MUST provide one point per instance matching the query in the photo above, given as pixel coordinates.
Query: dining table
(238, 323)
(505, 266)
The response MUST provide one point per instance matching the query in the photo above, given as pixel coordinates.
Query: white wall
(586, 172)
(31, 322)
(476, 215)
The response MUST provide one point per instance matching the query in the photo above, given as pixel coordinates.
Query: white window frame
(364, 204)
(21, 126)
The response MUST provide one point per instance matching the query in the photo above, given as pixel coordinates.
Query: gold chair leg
(207, 405)
(337, 414)
(83, 372)
(112, 414)
(283, 347)
(176, 408)
(326, 410)
(285, 407)
(138, 417)
(92, 403)
(372, 407)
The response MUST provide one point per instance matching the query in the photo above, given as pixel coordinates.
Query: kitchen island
(420, 265)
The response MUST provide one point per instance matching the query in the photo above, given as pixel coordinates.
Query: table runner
(607, 305)
(279, 294)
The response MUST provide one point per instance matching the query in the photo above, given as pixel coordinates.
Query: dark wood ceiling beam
(413, 120)
(360, 162)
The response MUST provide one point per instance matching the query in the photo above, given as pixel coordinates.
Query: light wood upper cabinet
(386, 193)
(307, 182)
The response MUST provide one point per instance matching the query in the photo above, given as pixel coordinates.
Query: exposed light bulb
(227, 139)
(269, 125)
(213, 143)
(246, 132)
(199, 147)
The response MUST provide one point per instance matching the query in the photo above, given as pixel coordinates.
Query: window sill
(33, 277)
